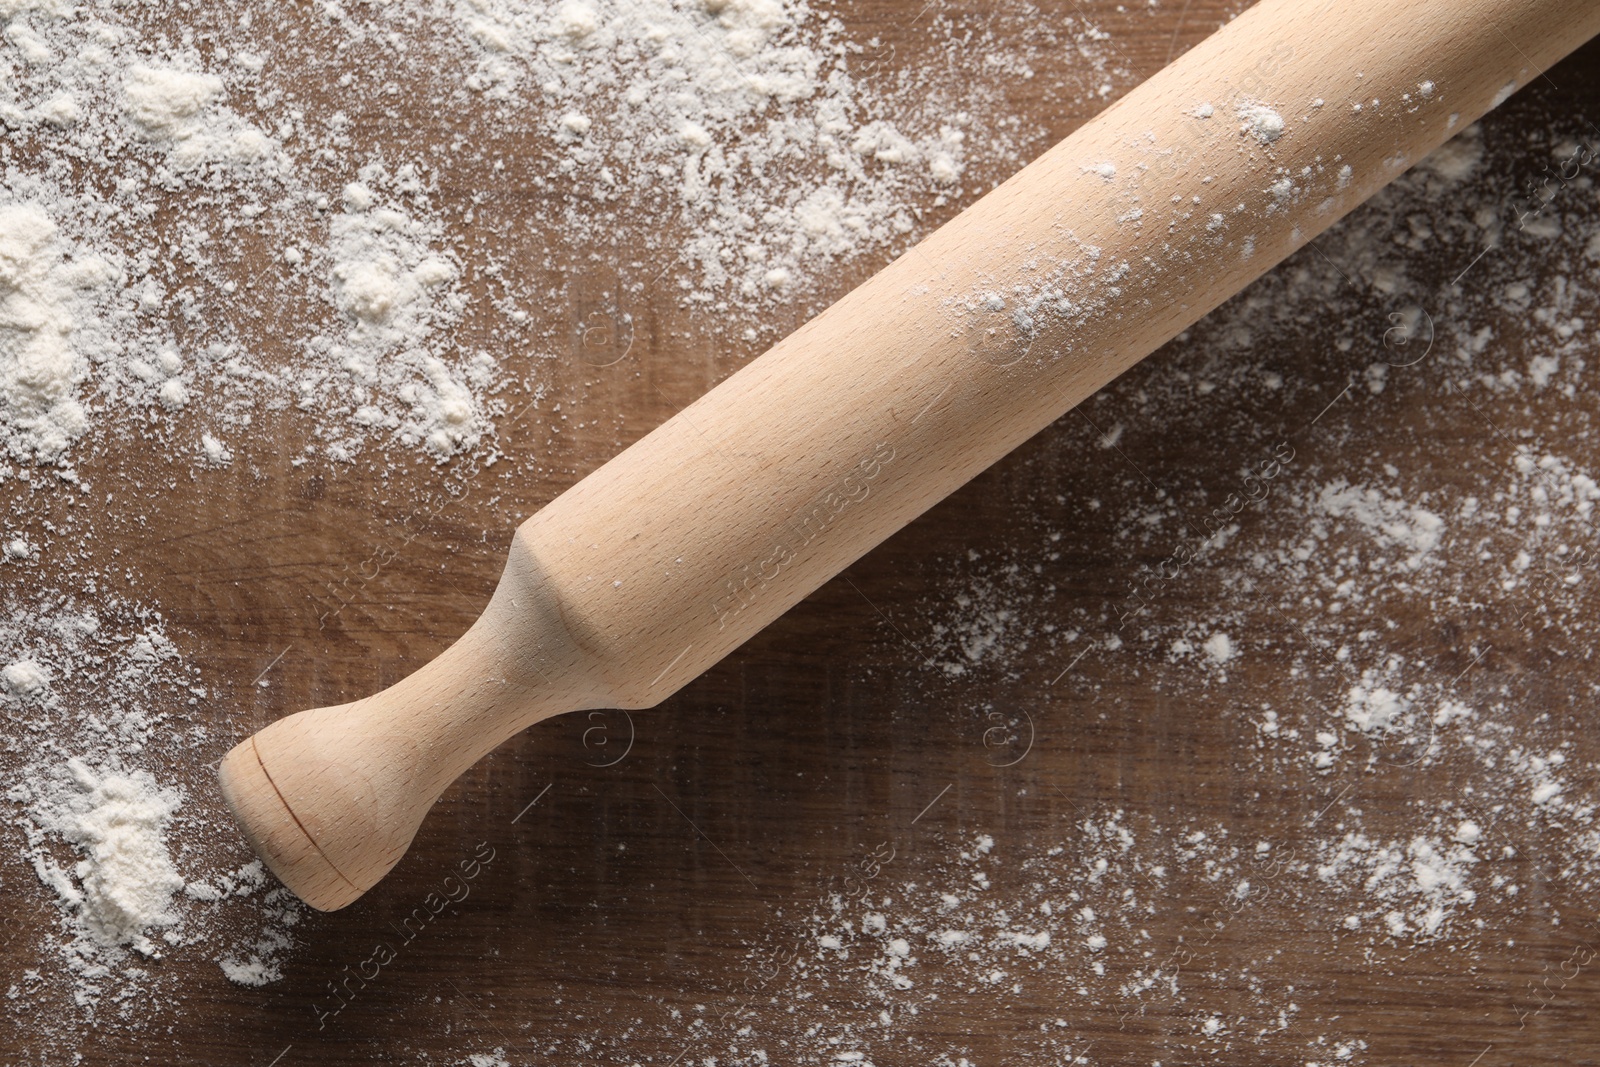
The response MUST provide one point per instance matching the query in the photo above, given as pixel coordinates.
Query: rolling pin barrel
(671, 555)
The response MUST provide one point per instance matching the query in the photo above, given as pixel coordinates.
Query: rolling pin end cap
(276, 834)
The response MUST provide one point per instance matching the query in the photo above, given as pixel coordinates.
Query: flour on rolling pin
(1260, 121)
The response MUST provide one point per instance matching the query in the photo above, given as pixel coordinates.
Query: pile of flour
(99, 703)
(47, 293)
(121, 890)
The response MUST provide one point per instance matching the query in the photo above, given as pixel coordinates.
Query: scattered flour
(731, 151)
(259, 962)
(1458, 158)
(1391, 521)
(1430, 622)
(1412, 889)
(395, 292)
(113, 847)
(181, 111)
(202, 234)
(711, 116)
(1066, 930)
(712, 103)
(1371, 706)
(104, 320)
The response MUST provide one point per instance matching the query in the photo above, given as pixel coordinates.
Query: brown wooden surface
(653, 886)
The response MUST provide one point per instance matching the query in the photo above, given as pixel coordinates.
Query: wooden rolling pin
(668, 557)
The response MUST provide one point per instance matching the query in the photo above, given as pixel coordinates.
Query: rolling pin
(668, 557)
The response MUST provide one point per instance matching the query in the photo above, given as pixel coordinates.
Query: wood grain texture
(636, 895)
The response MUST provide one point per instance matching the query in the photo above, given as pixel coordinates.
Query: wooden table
(656, 879)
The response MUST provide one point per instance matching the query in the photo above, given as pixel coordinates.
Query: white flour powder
(181, 111)
(395, 292)
(122, 888)
(1413, 529)
(1260, 121)
(132, 875)
(100, 317)
(44, 294)
(1427, 627)
(728, 151)
(750, 116)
